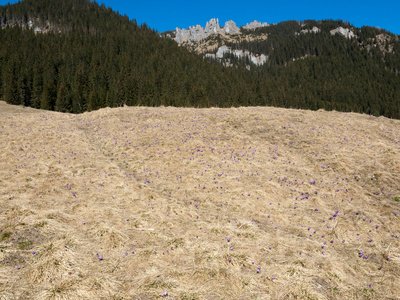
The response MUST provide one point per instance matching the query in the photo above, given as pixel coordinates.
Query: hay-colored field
(240, 203)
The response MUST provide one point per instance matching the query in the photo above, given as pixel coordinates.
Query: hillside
(311, 63)
(239, 203)
(76, 56)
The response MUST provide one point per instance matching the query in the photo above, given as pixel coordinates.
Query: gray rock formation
(315, 29)
(346, 32)
(180, 35)
(305, 31)
(263, 59)
(212, 27)
(209, 55)
(222, 50)
(238, 53)
(255, 24)
(198, 33)
(257, 60)
(231, 28)
(194, 33)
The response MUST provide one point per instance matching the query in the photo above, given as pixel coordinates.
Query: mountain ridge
(197, 38)
(87, 57)
(198, 33)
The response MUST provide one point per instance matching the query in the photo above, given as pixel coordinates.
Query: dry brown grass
(171, 185)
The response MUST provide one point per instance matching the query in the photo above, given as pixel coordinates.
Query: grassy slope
(171, 185)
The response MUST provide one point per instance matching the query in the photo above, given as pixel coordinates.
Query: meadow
(185, 203)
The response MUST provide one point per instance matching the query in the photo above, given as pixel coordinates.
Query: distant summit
(198, 33)
(255, 24)
(198, 38)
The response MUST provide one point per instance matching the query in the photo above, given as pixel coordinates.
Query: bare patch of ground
(240, 203)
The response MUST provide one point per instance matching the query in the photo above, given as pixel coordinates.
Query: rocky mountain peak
(212, 26)
(198, 33)
(255, 24)
(231, 28)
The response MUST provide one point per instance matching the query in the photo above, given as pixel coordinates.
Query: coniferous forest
(87, 56)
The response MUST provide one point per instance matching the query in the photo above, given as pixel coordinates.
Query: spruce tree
(11, 93)
(37, 87)
(48, 96)
(79, 100)
(93, 101)
(62, 102)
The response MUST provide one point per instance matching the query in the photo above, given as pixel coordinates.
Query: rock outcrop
(221, 51)
(231, 28)
(194, 33)
(382, 42)
(315, 29)
(305, 31)
(346, 32)
(212, 27)
(255, 24)
(198, 33)
(257, 60)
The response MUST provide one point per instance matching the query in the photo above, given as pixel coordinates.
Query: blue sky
(167, 15)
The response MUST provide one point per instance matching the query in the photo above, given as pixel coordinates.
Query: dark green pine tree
(79, 100)
(24, 91)
(11, 92)
(37, 87)
(48, 96)
(119, 95)
(62, 102)
(93, 101)
(1, 84)
(102, 97)
(109, 99)
(130, 90)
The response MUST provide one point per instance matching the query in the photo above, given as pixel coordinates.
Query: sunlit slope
(236, 203)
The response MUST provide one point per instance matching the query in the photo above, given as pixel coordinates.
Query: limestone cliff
(198, 33)
(196, 38)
